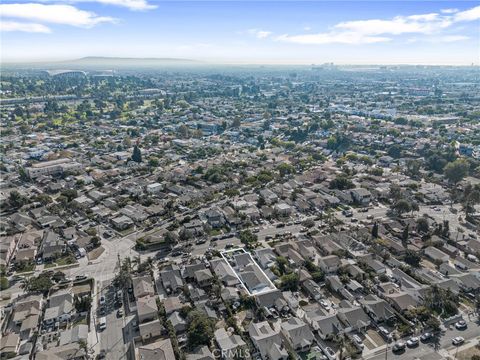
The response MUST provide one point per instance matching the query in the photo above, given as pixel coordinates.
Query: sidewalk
(93, 340)
(453, 352)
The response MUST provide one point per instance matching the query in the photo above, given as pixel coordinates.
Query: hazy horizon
(207, 62)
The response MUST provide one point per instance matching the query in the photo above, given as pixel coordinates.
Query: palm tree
(137, 261)
(341, 341)
(26, 284)
(82, 344)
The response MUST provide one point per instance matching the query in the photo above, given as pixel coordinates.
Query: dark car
(399, 346)
(426, 337)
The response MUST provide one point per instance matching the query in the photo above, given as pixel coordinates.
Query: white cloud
(468, 15)
(130, 4)
(449, 11)
(439, 39)
(381, 30)
(350, 38)
(259, 34)
(54, 14)
(23, 27)
(453, 38)
(137, 5)
(422, 24)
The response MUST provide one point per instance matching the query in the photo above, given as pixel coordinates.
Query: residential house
(159, 350)
(60, 307)
(436, 255)
(268, 341)
(231, 345)
(329, 264)
(298, 334)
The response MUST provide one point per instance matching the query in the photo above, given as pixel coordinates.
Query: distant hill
(102, 63)
(92, 61)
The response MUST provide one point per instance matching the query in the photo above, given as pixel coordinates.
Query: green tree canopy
(456, 171)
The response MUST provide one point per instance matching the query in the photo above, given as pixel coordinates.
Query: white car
(413, 341)
(325, 304)
(461, 325)
(457, 341)
(358, 341)
(330, 353)
(102, 323)
(102, 300)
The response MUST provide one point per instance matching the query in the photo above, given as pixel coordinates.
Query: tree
(199, 329)
(153, 162)
(183, 131)
(405, 234)
(170, 238)
(247, 237)
(402, 206)
(58, 276)
(412, 258)
(44, 199)
(285, 169)
(282, 263)
(41, 283)
(82, 304)
(455, 171)
(375, 230)
(290, 281)
(440, 301)
(413, 168)
(433, 323)
(341, 342)
(95, 241)
(82, 344)
(70, 194)
(395, 151)
(137, 154)
(236, 123)
(16, 200)
(3, 283)
(422, 225)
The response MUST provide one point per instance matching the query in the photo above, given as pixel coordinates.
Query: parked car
(426, 336)
(324, 304)
(318, 353)
(120, 313)
(102, 323)
(330, 353)
(399, 346)
(384, 332)
(461, 325)
(458, 340)
(102, 300)
(358, 341)
(413, 341)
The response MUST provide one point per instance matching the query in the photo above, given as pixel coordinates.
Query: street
(426, 351)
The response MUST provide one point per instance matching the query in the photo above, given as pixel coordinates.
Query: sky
(246, 32)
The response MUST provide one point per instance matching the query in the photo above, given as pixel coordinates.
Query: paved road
(105, 267)
(111, 339)
(427, 351)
